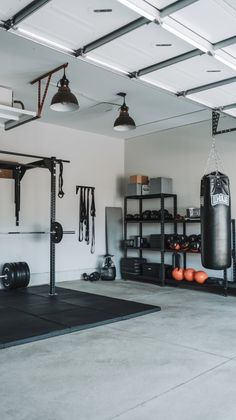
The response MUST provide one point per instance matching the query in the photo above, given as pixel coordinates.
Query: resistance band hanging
(215, 214)
(86, 211)
(60, 181)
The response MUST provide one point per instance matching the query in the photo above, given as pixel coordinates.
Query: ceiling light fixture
(105, 64)
(143, 9)
(64, 100)
(185, 37)
(124, 122)
(44, 41)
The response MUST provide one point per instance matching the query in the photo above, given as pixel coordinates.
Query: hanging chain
(214, 159)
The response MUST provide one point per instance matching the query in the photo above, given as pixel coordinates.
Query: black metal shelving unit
(213, 284)
(162, 198)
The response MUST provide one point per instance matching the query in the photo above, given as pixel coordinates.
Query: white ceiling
(74, 24)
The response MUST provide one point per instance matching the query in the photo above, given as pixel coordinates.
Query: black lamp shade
(64, 100)
(124, 122)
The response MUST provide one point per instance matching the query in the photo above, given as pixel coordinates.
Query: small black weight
(129, 216)
(94, 276)
(146, 215)
(91, 277)
(56, 232)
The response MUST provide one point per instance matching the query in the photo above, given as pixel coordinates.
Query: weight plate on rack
(56, 232)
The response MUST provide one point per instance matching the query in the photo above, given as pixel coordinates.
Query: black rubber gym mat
(31, 314)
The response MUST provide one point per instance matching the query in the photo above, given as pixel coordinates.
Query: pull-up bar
(6, 152)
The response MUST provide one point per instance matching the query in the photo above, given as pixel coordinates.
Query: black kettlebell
(184, 242)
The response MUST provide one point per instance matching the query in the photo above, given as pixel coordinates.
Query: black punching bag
(215, 221)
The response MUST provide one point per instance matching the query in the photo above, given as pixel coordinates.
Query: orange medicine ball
(189, 274)
(200, 277)
(178, 274)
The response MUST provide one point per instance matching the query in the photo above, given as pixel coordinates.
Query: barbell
(56, 233)
(15, 275)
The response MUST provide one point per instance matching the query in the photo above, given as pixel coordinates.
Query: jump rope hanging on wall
(215, 211)
(87, 213)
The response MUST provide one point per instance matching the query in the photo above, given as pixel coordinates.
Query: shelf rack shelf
(213, 284)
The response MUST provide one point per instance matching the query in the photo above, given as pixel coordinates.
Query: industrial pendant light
(124, 122)
(64, 100)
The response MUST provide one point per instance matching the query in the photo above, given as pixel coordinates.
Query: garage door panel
(192, 73)
(217, 97)
(231, 50)
(161, 4)
(214, 20)
(143, 47)
(77, 25)
(10, 8)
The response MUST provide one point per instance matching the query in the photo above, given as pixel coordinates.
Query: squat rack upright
(19, 170)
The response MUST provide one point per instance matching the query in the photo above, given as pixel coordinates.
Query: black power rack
(213, 284)
(19, 170)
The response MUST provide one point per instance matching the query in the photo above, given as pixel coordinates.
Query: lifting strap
(81, 214)
(93, 215)
(87, 238)
(17, 178)
(87, 210)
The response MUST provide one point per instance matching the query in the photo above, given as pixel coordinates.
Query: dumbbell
(95, 276)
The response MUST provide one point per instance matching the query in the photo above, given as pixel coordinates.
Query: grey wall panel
(114, 234)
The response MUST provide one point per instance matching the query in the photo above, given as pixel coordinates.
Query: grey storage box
(134, 189)
(138, 189)
(145, 189)
(161, 185)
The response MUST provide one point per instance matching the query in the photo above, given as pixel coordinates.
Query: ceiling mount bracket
(42, 97)
(133, 75)
(215, 122)
(122, 94)
(22, 14)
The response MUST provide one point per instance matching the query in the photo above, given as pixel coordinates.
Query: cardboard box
(6, 173)
(161, 185)
(138, 179)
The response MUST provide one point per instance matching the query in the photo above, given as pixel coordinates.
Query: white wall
(181, 154)
(95, 160)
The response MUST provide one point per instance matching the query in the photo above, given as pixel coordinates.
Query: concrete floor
(177, 364)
